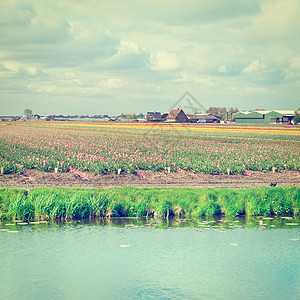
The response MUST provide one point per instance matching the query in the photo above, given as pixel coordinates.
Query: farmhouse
(203, 118)
(153, 116)
(263, 117)
(177, 116)
(9, 118)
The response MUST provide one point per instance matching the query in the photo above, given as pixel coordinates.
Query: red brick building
(177, 116)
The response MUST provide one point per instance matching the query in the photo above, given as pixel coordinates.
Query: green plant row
(64, 203)
(106, 151)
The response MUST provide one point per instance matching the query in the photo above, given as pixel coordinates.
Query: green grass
(64, 203)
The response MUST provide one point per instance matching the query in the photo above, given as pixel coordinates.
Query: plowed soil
(37, 179)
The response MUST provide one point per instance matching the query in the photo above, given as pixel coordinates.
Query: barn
(177, 116)
(203, 118)
(264, 117)
(153, 116)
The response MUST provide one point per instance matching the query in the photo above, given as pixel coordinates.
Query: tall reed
(52, 203)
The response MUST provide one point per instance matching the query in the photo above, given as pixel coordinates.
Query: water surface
(145, 259)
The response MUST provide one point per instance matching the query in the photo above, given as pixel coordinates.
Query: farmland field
(129, 148)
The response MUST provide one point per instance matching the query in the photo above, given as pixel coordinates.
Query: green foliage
(58, 203)
(297, 116)
(257, 204)
(6, 197)
(232, 202)
(207, 205)
(21, 207)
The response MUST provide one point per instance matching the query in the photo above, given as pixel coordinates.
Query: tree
(297, 116)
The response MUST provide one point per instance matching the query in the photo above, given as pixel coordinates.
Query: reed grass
(71, 203)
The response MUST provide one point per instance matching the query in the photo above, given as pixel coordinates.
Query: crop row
(107, 150)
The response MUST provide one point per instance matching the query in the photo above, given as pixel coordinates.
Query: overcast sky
(107, 57)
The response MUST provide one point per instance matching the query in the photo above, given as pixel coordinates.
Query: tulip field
(103, 148)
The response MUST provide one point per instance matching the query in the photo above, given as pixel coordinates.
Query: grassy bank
(59, 203)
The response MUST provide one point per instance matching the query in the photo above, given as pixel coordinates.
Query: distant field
(109, 147)
(263, 129)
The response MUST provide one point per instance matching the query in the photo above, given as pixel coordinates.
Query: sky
(110, 57)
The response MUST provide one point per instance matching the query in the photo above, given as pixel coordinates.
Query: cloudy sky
(107, 57)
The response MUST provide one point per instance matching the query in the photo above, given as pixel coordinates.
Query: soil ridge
(39, 179)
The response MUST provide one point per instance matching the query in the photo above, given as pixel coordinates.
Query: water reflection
(209, 258)
(211, 223)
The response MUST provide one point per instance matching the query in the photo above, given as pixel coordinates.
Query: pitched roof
(153, 115)
(264, 112)
(202, 116)
(174, 113)
(285, 112)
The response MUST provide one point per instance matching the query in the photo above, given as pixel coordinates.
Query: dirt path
(38, 179)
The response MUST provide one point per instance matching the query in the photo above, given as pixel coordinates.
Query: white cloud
(32, 70)
(190, 78)
(128, 56)
(84, 50)
(12, 66)
(222, 69)
(255, 90)
(112, 83)
(70, 75)
(30, 23)
(278, 19)
(254, 66)
(127, 48)
(295, 63)
(38, 88)
(164, 61)
(86, 31)
(277, 22)
(262, 73)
